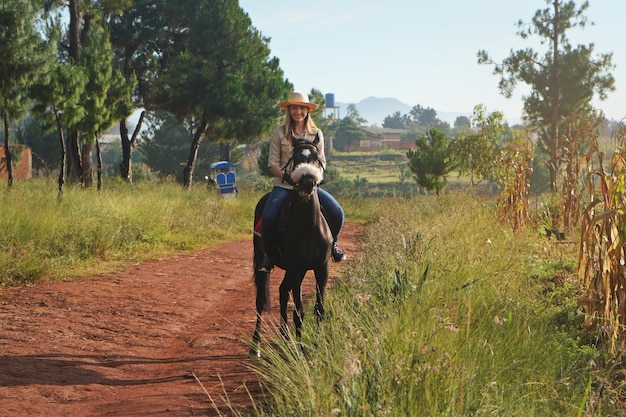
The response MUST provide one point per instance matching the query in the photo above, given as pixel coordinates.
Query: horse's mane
(311, 169)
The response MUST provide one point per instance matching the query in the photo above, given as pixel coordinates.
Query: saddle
(284, 212)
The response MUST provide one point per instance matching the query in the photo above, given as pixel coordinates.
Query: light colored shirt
(281, 150)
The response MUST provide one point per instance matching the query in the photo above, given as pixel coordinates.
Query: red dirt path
(129, 343)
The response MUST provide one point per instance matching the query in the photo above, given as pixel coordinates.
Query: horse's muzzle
(306, 190)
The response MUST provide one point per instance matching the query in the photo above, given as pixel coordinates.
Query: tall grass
(44, 237)
(443, 313)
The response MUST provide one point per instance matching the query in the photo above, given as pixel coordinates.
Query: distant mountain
(374, 110)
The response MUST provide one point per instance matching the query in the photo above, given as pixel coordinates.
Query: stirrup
(337, 254)
(266, 264)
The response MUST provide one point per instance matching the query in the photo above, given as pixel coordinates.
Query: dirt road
(129, 343)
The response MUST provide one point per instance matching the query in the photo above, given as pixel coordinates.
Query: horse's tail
(261, 279)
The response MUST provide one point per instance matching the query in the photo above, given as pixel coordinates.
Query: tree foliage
(139, 37)
(477, 149)
(430, 162)
(263, 160)
(348, 134)
(165, 147)
(462, 122)
(200, 61)
(424, 116)
(418, 121)
(24, 57)
(397, 121)
(563, 80)
(222, 80)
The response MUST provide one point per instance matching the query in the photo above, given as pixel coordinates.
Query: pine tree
(25, 57)
(563, 81)
(223, 80)
(430, 162)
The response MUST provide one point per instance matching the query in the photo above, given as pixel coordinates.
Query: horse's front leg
(283, 290)
(321, 278)
(298, 312)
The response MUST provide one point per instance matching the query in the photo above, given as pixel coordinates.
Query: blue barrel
(330, 100)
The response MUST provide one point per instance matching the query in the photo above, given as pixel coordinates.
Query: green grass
(444, 313)
(48, 238)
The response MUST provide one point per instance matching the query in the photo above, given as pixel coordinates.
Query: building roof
(384, 130)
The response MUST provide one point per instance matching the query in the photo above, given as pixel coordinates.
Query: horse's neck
(308, 213)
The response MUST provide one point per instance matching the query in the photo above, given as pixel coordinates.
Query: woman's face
(298, 113)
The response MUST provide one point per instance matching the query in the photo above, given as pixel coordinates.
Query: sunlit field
(445, 311)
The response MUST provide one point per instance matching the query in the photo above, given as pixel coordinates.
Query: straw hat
(298, 99)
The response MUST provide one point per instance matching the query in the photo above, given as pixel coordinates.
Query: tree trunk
(193, 153)
(87, 163)
(126, 167)
(7, 150)
(553, 162)
(225, 151)
(74, 29)
(75, 167)
(62, 169)
(99, 169)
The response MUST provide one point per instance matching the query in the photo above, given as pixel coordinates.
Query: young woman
(298, 124)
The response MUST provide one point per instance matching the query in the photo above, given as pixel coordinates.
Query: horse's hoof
(254, 353)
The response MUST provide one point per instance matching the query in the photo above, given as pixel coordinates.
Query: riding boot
(266, 264)
(337, 254)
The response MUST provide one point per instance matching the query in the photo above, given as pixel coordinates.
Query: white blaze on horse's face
(306, 154)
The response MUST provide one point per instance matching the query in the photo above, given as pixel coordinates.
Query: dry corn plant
(514, 166)
(602, 251)
(579, 143)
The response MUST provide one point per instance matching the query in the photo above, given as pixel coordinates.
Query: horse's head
(304, 151)
(307, 176)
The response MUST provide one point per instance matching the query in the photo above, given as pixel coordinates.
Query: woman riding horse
(304, 242)
(298, 124)
(308, 238)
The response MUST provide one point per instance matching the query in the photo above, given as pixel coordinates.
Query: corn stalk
(514, 166)
(602, 256)
(581, 139)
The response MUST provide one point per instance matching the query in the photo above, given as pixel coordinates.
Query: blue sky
(421, 52)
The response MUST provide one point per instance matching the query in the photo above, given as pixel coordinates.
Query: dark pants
(271, 213)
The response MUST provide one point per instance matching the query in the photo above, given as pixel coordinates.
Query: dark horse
(304, 243)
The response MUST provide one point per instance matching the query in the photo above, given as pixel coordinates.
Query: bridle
(311, 174)
(303, 151)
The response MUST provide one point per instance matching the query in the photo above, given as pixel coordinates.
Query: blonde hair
(309, 125)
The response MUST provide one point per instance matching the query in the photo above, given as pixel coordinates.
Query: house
(22, 163)
(379, 138)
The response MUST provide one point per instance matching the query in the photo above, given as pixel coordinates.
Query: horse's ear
(317, 138)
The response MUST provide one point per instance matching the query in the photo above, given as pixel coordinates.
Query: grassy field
(46, 238)
(445, 312)
(376, 168)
